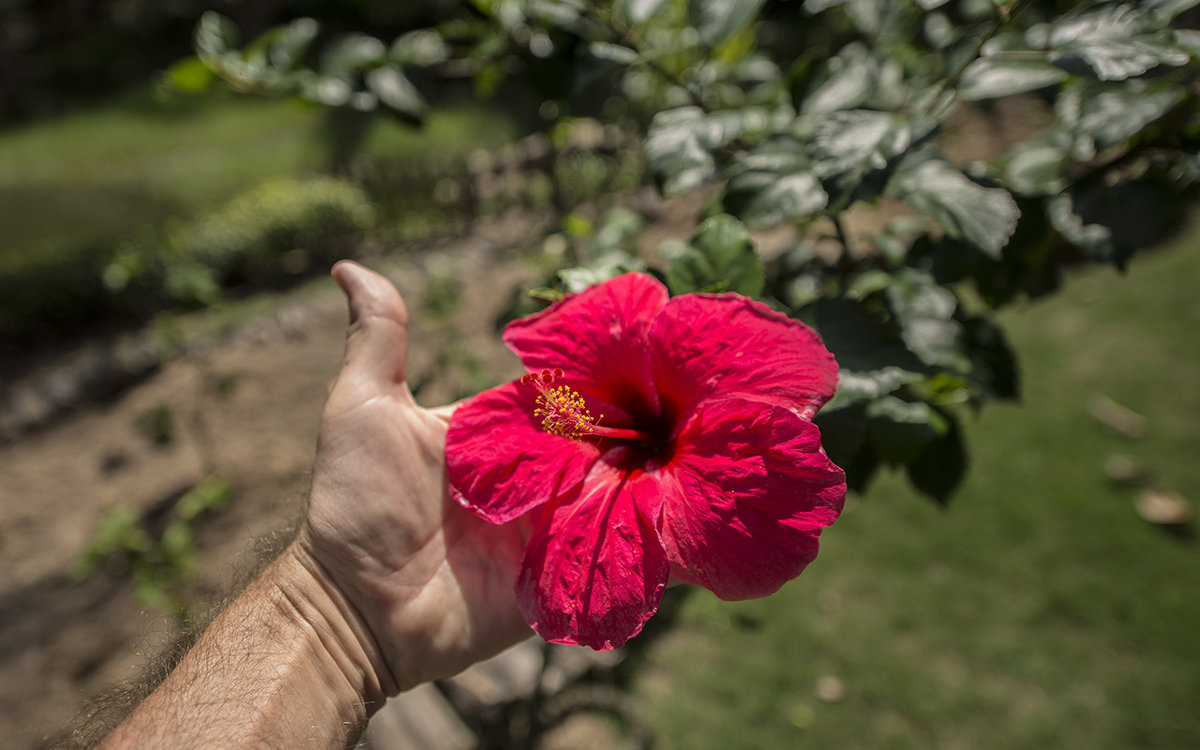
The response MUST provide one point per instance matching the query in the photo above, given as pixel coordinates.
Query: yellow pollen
(564, 412)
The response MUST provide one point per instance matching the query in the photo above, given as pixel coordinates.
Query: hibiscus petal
(598, 338)
(710, 345)
(595, 570)
(501, 464)
(746, 496)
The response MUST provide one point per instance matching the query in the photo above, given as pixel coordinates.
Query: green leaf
(607, 266)
(863, 284)
(395, 91)
(857, 140)
(801, 290)
(720, 258)
(872, 358)
(613, 53)
(680, 142)
(843, 431)
(939, 468)
(421, 48)
(925, 313)
(870, 17)
(1109, 113)
(214, 38)
(677, 152)
(1113, 41)
(1028, 265)
(947, 259)
(850, 82)
(638, 12)
(992, 77)
(191, 76)
(618, 229)
(940, 31)
(509, 14)
(542, 294)
(872, 384)
(563, 14)
(578, 226)
(900, 430)
(351, 53)
(994, 367)
(1188, 41)
(984, 216)
(1038, 166)
(816, 6)
(1111, 223)
(772, 184)
(211, 494)
(177, 542)
(328, 90)
(853, 150)
(288, 44)
(1167, 10)
(719, 20)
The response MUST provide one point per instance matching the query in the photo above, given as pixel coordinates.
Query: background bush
(274, 231)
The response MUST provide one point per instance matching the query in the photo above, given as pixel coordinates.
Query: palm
(432, 582)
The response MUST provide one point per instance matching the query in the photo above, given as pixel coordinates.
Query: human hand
(425, 585)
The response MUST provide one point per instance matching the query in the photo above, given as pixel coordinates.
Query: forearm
(281, 667)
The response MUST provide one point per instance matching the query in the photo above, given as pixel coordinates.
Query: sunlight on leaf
(964, 208)
(720, 258)
(990, 78)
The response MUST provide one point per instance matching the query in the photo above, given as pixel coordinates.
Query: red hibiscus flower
(656, 438)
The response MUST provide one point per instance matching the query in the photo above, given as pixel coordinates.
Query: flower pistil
(564, 412)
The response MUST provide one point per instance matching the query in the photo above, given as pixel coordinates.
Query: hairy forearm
(281, 667)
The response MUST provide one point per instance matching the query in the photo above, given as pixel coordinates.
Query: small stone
(1162, 507)
(1126, 470)
(830, 689)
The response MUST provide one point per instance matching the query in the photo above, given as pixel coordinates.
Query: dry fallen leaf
(1116, 417)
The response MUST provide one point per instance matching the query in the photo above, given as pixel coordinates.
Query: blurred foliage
(282, 227)
(52, 58)
(157, 425)
(804, 116)
(272, 232)
(794, 116)
(160, 561)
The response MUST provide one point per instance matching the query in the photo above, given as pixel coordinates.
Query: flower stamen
(564, 412)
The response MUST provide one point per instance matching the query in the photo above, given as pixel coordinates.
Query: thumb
(377, 339)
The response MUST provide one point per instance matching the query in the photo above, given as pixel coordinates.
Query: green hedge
(281, 226)
(266, 235)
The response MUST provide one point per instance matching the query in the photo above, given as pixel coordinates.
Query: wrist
(339, 636)
(282, 666)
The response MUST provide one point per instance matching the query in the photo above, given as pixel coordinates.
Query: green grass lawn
(1038, 611)
(102, 172)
